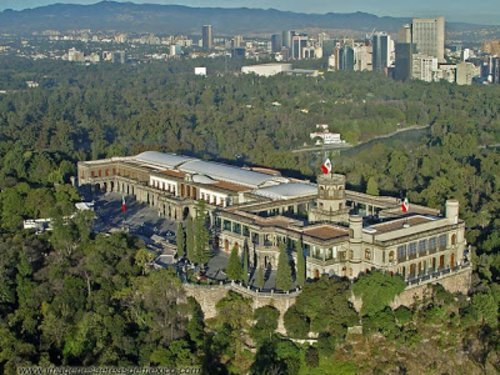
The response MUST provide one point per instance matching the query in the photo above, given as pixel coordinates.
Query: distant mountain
(129, 17)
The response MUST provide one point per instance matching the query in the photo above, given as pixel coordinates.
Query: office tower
(465, 72)
(404, 53)
(237, 41)
(362, 58)
(238, 53)
(286, 39)
(207, 37)
(346, 58)
(424, 68)
(276, 43)
(299, 42)
(381, 53)
(404, 35)
(427, 34)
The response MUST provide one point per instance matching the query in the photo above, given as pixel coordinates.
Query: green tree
(485, 309)
(266, 322)
(245, 264)
(378, 290)
(190, 240)
(259, 277)
(284, 273)
(181, 240)
(202, 251)
(234, 270)
(372, 186)
(301, 264)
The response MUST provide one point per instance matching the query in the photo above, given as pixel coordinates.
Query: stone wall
(208, 296)
(458, 282)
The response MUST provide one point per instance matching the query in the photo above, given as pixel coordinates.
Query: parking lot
(144, 222)
(139, 219)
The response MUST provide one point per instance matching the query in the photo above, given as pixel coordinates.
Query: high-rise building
(464, 73)
(346, 58)
(276, 43)
(237, 41)
(424, 68)
(427, 34)
(299, 42)
(286, 38)
(238, 53)
(362, 58)
(207, 37)
(404, 53)
(381, 51)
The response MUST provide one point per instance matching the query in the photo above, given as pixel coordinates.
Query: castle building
(342, 232)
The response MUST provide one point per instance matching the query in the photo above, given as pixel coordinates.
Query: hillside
(129, 17)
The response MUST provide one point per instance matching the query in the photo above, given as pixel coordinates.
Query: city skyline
(455, 11)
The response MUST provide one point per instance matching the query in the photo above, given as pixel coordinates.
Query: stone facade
(342, 233)
(209, 295)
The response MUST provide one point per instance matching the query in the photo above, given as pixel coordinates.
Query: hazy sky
(480, 11)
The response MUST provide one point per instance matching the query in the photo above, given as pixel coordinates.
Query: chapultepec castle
(342, 232)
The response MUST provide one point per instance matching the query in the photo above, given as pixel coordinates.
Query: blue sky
(482, 11)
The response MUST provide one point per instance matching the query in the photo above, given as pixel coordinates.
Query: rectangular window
(227, 225)
(328, 254)
(402, 253)
(237, 228)
(443, 241)
(246, 232)
(432, 245)
(422, 247)
(412, 250)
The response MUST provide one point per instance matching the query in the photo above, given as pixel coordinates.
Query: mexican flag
(327, 166)
(124, 206)
(405, 205)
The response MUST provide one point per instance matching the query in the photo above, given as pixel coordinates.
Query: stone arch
(316, 274)
(453, 239)
(185, 213)
(226, 245)
(452, 260)
(391, 256)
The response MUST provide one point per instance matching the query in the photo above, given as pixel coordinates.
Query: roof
(393, 225)
(169, 161)
(287, 191)
(173, 173)
(228, 173)
(326, 232)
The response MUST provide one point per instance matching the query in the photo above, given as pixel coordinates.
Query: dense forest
(72, 297)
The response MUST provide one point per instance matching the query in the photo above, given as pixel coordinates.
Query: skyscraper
(404, 60)
(346, 58)
(381, 50)
(299, 42)
(286, 38)
(207, 37)
(276, 42)
(427, 34)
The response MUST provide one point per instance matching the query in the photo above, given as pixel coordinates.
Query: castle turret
(452, 208)
(330, 203)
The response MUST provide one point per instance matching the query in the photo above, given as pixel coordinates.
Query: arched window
(453, 239)
(368, 254)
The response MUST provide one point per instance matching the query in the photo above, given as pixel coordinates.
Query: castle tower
(330, 203)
